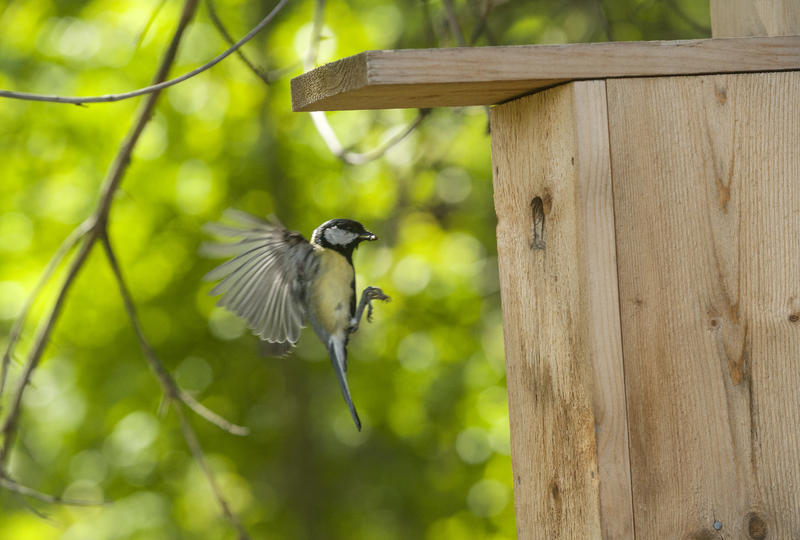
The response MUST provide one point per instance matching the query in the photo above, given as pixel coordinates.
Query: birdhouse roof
(422, 78)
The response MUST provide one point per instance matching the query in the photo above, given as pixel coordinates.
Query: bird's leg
(369, 294)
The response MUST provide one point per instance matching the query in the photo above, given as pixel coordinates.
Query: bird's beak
(366, 235)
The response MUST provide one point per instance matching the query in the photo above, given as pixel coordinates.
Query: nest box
(648, 207)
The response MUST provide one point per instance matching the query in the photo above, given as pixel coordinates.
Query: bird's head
(343, 235)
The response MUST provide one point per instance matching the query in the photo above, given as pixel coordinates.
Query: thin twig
(320, 119)
(42, 337)
(209, 415)
(148, 24)
(197, 452)
(97, 230)
(16, 487)
(359, 158)
(605, 23)
(16, 331)
(452, 20)
(317, 22)
(483, 23)
(212, 13)
(152, 88)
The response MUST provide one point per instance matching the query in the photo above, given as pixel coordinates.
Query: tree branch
(320, 119)
(69, 242)
(452, 20)
(154, 87)
(16, 487)
(95, 228)
(212, 13)
(197, 452)
(168, 384)
(96, 224)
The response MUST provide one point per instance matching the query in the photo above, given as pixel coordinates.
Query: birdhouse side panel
(558, 279)
(706, 182)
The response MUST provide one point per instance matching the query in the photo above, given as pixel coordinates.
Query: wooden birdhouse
(648, 208)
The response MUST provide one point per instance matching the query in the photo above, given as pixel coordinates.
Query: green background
(427, 375)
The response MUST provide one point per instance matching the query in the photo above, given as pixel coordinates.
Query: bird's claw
(374, 293)
(369, 294)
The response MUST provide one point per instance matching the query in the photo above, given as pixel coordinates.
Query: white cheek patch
(339, 237)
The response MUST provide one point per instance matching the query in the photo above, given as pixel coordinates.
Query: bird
(276, 279)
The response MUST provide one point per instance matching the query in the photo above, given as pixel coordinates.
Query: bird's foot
(369, 294)
(373, 293)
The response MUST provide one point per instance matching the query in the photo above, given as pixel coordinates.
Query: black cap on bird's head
(342, 235)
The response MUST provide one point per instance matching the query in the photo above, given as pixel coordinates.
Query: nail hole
(537, 210)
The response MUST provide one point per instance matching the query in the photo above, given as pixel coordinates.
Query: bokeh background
(427, 375)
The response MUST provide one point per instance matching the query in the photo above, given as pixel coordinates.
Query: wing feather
(265, 281)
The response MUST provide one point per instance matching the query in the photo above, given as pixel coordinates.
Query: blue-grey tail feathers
(338, 354)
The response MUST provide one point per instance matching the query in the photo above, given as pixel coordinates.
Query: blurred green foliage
(427, 375)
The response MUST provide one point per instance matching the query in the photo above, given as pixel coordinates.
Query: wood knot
(794, 318)
(757, 527)
(722, 94)
(555, 496)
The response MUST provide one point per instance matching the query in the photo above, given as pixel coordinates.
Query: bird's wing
(265, 281)
(337, 350)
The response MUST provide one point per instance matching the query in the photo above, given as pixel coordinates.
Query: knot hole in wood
(538, 213)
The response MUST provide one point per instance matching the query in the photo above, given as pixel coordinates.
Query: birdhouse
(648, 234)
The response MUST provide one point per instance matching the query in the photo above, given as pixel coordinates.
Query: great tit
(277, 278)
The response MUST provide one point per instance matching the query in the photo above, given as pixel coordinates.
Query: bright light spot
(462, 253)
(194, 374)
(189, 98)
(89, 465)
(500, 437)
(487, 498)
(411, 275)
(79, 39)
(493, 403)
(152, 143)
(416, 352)
(16, 232)
(194, 187)
(12, 296)
(473, 446)
(132, 436)
(63, 201)
(453, 185)
(383, 25)
(327, 43)
(225, 325)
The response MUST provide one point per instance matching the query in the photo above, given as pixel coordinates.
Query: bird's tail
(338, 352)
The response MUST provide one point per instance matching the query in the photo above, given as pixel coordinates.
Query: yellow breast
(332, 291)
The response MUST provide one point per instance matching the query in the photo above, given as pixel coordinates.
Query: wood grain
(707, 205)
(561, 320)
(490, 75)
(740, 18)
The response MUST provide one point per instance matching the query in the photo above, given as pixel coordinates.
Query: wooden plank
(707, 205)
(740, 18)
(490, 75)
(558, 281)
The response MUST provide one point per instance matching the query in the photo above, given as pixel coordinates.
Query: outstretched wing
(265, 281)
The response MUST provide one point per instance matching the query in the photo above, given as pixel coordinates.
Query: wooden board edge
(597, 235)
(427, 73)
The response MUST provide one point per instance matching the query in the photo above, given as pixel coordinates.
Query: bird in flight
(276, 279)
